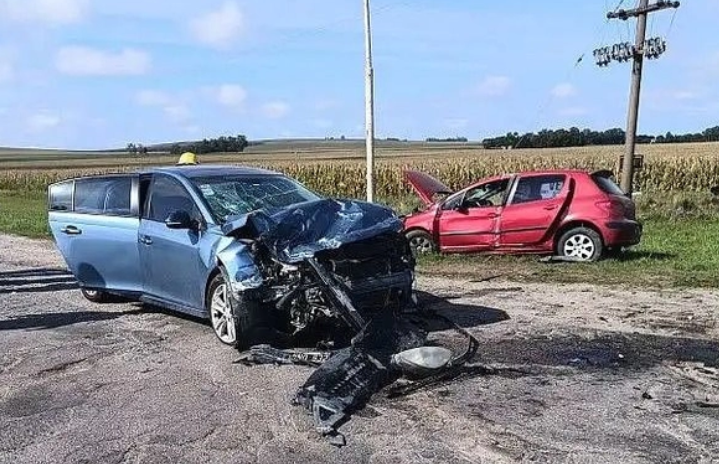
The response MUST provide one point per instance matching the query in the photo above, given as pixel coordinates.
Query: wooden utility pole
(369, 102)
(642, 48)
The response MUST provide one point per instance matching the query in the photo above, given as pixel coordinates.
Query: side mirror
(179, 219)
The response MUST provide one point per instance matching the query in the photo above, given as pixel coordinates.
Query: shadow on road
(36, 280)
(464, 315)
(55, 320)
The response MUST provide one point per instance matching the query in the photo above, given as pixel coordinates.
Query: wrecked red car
(570, 213)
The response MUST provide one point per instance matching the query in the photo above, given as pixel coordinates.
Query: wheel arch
(574, 225)
(218, 269)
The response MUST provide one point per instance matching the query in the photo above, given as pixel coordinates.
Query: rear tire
(421, 242)
(581, 243)
(96, 296)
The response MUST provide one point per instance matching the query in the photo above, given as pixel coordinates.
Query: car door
(94, 222)
(468, 221)
(172, 266)
(535, 205)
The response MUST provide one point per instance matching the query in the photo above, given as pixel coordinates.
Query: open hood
(300, 231)
(426, 186)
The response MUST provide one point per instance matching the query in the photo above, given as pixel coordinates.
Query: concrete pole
(369, 103)
(633, 113)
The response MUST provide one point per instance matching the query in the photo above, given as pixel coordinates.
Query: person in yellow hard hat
(187, 158)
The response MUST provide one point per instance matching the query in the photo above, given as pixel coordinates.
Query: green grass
(676, 250)
(23, 214)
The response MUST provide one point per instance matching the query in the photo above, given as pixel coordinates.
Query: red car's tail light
(611, 207)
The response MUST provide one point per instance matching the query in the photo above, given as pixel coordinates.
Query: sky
(90, 74)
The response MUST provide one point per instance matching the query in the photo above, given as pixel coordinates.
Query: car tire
(222, 310)
(421, 242)
(581, 243)
(96, 296)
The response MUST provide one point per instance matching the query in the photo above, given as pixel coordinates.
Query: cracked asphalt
(576, 374)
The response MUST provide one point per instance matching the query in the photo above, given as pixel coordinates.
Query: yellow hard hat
(187, 158)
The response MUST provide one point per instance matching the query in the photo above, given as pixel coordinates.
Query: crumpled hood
(300, 231)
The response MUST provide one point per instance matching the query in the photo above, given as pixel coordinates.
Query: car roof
(210, 171)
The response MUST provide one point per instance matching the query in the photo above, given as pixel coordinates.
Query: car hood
(426, 186)
(300, 231)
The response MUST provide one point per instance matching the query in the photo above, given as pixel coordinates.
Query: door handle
(145, 240)
(71, 230)
(550, 207)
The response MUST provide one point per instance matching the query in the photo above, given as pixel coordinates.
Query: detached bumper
(622, 233)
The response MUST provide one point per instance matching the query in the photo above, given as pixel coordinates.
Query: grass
(23, 213)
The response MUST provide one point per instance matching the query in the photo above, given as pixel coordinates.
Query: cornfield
(667, 168)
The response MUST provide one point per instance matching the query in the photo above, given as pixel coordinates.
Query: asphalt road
(582, 374)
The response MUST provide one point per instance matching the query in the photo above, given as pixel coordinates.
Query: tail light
(616, 208)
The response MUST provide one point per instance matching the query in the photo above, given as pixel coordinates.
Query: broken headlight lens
(422, 361)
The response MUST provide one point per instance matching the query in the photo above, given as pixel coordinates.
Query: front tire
(421, 242)
(219, 305)
(581, 243)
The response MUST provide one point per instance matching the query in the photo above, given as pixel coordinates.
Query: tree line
(574, 137)
(219, 145)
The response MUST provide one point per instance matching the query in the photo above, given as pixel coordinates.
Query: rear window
(607, 185)
(107, 196)
(60, 196)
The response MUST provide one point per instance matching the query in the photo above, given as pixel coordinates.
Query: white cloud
(173, 107)
(275, 110)
(86, 61)
(494, 86)
(219, 28)
(564, 90)
(42, 121)
(229, 95)
(45, 11)
(573, 111)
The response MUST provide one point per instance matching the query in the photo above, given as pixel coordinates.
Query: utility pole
(369, 102)
(642, 48)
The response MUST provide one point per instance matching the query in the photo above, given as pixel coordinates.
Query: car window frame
(510, 198)
(201, 216)
(461, 195)
(134, 196)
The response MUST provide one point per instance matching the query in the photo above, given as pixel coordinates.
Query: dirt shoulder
(578, 373)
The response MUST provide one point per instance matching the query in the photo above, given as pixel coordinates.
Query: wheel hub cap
(421, 245)
(223, 321)
(579, 246)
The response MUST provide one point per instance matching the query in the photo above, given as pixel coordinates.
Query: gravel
(580, 373)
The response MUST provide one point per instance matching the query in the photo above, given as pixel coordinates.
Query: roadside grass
(23, 213)
(680, 248)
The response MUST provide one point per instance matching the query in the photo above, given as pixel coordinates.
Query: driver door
(470, 221)
(172, 267)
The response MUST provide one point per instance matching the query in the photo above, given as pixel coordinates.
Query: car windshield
(229, 196)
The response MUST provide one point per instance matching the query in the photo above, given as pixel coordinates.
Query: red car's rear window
(607, 185)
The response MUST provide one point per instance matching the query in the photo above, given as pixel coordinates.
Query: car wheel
(421, 242)
(581, 243)
(96, 296)
(219, 305)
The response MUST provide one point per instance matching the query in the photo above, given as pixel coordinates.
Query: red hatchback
(571, 213)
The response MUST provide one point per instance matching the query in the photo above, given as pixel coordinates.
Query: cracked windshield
(231, 196)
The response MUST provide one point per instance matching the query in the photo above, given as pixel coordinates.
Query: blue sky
(102, 73)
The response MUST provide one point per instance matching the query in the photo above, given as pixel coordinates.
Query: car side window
(491, 194)
(538, 188)
(107, 196)
(168, 195)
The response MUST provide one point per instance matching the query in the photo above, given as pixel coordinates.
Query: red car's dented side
(529, 212)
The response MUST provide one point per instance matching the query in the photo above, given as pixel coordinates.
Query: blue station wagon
(260, 255)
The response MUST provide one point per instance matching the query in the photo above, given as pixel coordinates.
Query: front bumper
(623, 233)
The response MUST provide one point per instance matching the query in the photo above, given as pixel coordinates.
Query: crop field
(336, 170)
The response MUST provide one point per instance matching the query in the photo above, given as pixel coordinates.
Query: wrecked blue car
(264, 258)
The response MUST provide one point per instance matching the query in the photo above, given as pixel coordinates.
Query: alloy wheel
(223, 322)
(579, 246)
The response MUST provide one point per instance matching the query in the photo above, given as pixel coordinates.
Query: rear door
(172, 267)
(94, 222)
(535, 205)
(468, 222)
